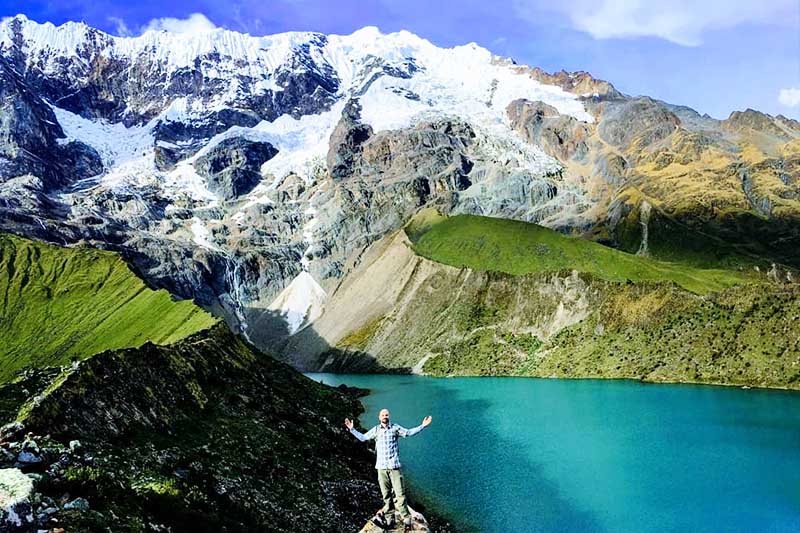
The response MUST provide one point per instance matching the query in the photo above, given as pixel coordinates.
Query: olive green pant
(393, 480)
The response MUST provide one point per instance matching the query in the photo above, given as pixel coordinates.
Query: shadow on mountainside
(306, 350)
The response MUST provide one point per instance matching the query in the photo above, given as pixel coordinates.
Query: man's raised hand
(349, 423)
(427, 421)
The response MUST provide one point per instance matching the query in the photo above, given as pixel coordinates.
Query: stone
(11, 431)
(30, 453)
(16, 490)
(80, 504)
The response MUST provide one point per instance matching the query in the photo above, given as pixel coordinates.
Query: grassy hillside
(515, 247)
(568, 308)
(60, 304)
(743, 336)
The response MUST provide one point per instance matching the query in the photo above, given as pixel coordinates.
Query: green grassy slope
(60, 304)
(514, 247)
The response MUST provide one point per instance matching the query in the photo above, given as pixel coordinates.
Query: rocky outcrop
(233, 167)
(580, 83)
(779, 127)
(346, 141)
(640, 120)
(418, 523)
(178, 139)
(431, 156)
(561, 136)
(31, 140)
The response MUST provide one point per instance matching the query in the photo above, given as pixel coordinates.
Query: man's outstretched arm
(357, 434)
(403, 432)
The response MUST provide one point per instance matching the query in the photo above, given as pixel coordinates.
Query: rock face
(233, 167)
(561, 136)
(176, 140)
(640, 119)
(31, 140)
(581, 83)
(346, 141)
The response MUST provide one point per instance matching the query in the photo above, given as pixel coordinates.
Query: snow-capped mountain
(250, 173)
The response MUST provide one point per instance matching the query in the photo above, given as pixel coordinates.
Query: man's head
(383, 416)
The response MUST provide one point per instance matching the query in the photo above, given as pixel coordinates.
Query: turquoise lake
(520, 454)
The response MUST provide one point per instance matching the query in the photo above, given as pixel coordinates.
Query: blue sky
(713, 55)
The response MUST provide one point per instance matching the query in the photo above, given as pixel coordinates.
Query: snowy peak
(225, 68)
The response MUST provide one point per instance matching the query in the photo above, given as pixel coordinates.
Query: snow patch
(202, 235)
(301, 302)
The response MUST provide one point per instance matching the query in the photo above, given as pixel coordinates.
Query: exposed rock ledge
(419, 524)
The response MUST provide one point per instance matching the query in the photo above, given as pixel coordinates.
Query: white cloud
(120, 28)
(194, 23)
(790, 97)
(680, 21)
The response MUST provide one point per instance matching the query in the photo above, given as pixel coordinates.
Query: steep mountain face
(251, 173)
(34, 143)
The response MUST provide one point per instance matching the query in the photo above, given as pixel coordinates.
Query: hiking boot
(380, 520)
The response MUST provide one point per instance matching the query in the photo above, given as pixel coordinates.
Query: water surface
(522, 454)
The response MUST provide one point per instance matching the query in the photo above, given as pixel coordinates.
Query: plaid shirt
(386, 442)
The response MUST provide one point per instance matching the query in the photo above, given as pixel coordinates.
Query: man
(387, 461)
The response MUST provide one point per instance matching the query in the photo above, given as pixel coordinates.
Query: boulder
(16, 512)
(30, 453)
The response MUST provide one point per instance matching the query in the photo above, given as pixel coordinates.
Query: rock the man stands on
(387, 461)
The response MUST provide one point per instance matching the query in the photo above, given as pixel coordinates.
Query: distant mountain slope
(62, 304)
(399, 311)
(483, 243)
